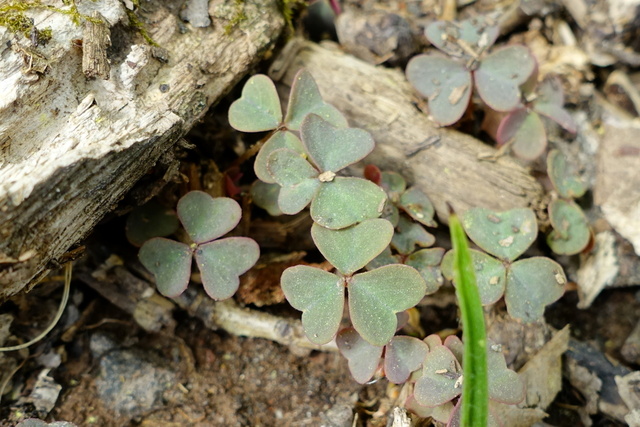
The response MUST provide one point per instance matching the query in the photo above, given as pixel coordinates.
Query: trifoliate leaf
(205, 218)
(363, 357)
(169, 262)
(281, 139)
(491, 274)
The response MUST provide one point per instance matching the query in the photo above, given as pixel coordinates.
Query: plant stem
(475, 392)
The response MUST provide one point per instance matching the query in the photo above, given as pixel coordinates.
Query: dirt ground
(102, 366)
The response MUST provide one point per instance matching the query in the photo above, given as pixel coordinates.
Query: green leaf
(427, 262)
(258, 108)
(505, 385)
(550, 103)
(571, 232)
(526, 130)
(376, 296)
(292, 200)
(403, 355)
(503, 234)
(288, 168)
(491, 274)
(410, 234)
(169, 262)
(150, 220)
(444, 82)
(418, 206)
(346, 201)
(320, 297)
(363, 357)
(280, 139)
(500, 74)
(331, 148)
(350, 249)
(563, 177)
(532, 284)
(394, 184)
(222, 262)
(305, 99)
(441, 373)
(475, 404)
(205, 218)
(266, 196)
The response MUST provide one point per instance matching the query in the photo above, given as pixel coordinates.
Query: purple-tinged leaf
(266, 196)
(550, 103)
(350, 249)
(453, 343)
(281, 139)
(440, 413)
(363, 357)
(432, 341)
(331, 148)
(532, 284)
(305, 99)
(505, 385)
(222, 262)
(205, 218)
(468, 38)
(445, 83)
(571, 232)
(441, 378)
(169, 262)
(377, 295)
(320, 297)
(403, 355)
(525, 131)
(258, 108)
(500, 74)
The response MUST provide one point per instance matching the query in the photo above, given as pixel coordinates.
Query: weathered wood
(71, 147)
(442, 162)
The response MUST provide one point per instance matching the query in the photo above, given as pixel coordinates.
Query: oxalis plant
(220, 261)
(528, 285)
(447, 77)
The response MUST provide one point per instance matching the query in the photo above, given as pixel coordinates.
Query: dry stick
(63, 304)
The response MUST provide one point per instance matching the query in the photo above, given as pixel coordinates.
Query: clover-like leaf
(335, 206)
(363, 357)
(376, 296)
(532, 284)
(289, 168)
(457, 39)
(503, 234)
(440, 413)
(150, 220)
(440, 380)
(331, 148)
(500, 74)
(205, 218)
(453, 343)
(550, 103)
(305, 99)
(432, 341)
(403, 355)
(491, 274)
(505, 385)
(266, 196)
(444, 82)
(563, 177)
(410, 234)
(571, 232)
(349, 249)
(427, 262)
(292, 200)
(385, 258)
(418, 206)
(394, 184)
(526, 131)
(278, 140)
(320, 297)
(258, 108)
(222, 262)
(169, 262)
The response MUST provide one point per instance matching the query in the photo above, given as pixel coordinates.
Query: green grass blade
(475, 391)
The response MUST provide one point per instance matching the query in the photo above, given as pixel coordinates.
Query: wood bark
(71, 147)
(442, 162)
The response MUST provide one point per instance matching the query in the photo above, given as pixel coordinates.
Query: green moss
(136, 23)
(238, 16)
(288, 9)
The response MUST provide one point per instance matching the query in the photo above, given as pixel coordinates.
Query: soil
(110, 371)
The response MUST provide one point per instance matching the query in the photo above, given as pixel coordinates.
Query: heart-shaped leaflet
(258, 108)
(205, 218)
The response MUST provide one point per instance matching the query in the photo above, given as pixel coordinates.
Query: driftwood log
(444, 163)
(72, 146)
